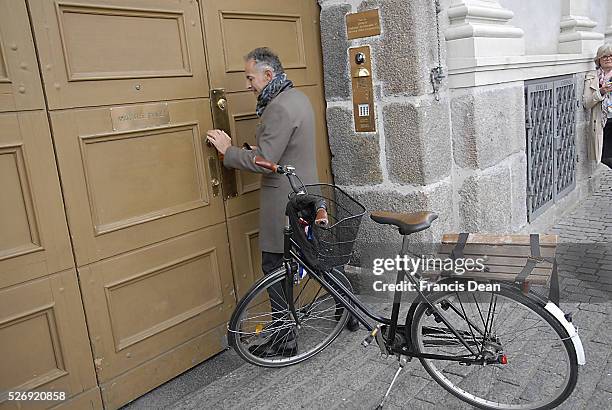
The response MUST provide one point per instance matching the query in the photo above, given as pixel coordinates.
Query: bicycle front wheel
(517, 356)
(263, 329)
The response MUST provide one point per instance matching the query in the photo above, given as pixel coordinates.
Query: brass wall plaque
(134, 117)
(363, 95)
(364, 24)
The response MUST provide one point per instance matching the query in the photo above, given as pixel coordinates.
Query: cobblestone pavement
(347, 376)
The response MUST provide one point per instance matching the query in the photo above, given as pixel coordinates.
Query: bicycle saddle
(406, 222)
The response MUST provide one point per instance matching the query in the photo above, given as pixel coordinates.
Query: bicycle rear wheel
(255, 328)
(527, 360)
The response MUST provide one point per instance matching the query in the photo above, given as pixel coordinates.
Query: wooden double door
(121, 258)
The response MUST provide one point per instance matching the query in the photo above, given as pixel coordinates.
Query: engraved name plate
(134, 117)
(364, 24)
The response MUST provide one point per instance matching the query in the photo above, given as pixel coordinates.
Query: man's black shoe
(352, 324)
(275, 348)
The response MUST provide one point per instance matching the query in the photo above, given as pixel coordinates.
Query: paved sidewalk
(346, 376)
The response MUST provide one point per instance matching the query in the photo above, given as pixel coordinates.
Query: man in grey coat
(284, 135)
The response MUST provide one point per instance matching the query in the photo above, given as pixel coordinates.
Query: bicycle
(482, 346)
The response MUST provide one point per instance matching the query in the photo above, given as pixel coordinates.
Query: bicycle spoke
(468, 323)
(267, 328)
(517, 345)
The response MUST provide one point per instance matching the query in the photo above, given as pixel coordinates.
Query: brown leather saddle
(406, 222)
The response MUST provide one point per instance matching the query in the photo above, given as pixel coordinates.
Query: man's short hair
(265, 58)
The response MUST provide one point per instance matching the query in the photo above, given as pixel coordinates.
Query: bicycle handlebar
(264, 163)
(321, 217)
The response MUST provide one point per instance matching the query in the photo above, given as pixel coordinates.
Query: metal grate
(550, 107)
(565, 137)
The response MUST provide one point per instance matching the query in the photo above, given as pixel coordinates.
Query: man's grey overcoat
(285, 135)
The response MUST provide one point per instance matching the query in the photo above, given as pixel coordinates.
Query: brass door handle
(221, 121)
(213, 169)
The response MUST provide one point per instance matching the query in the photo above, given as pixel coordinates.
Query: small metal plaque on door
(134, 117)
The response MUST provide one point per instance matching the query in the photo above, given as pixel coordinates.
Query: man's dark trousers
(271, 261)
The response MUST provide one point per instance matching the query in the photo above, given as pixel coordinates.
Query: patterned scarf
(607, 101)
(276, 86)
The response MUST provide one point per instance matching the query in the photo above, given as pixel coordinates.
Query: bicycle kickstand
(402, 363)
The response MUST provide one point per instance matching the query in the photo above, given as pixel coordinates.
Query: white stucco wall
(598, 14)
(540, 20)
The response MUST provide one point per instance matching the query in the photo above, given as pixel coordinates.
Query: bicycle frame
(348, 300)
(476, 339)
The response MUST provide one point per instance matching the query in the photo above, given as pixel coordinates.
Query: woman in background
(598, 98)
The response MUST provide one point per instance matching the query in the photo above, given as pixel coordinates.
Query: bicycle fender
(571, 330)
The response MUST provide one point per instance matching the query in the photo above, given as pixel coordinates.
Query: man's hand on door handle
(219, 139)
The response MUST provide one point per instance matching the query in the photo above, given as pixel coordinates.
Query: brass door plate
(363, 24)
(221, 121)
(135, 117)
(363, 95)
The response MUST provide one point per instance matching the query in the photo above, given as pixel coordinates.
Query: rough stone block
(384, 241)
(385, 199)
(335, 56)
(488, 124)
(418, 141)
(355, 157)
(518, 190)
(485, 201)
(435, 198)
(407, 49)
(584, 166)
(582, 114)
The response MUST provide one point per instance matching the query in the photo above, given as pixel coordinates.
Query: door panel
(98, 52)
(148, 301)
(34, 240)
(43, 339)
(20, 87)
(152, 373)
(288, 27)
(244, 245)
(127, 189)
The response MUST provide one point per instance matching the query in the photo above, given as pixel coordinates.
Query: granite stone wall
(407, 164)
(461, 155)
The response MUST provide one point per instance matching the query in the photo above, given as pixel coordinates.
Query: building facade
(124, 245)
(502, 146)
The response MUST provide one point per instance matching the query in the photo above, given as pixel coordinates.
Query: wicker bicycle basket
(331, 245)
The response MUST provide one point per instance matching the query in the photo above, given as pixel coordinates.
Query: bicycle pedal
(368, 340)
(380, 341)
